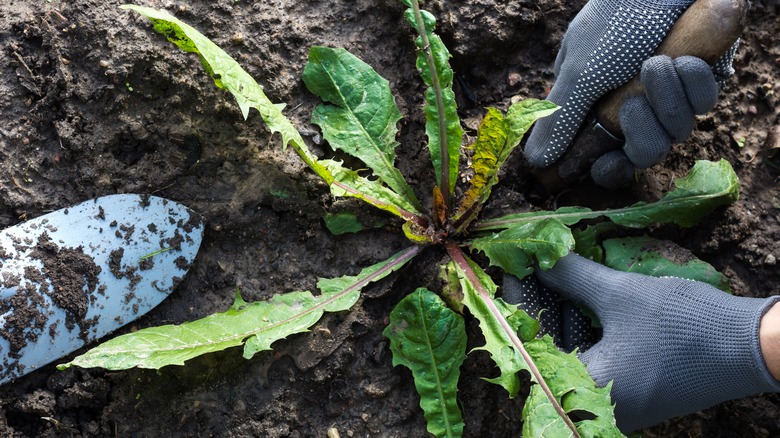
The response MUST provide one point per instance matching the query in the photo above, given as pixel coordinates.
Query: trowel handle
(706, 30)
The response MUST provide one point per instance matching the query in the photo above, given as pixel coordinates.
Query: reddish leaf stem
(459, 258)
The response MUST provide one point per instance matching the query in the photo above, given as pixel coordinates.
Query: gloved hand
(606, 44)
(671, 346)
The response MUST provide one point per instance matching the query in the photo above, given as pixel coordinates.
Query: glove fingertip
(699, 82)
(647, 142)
(543, 147)
(613, 170)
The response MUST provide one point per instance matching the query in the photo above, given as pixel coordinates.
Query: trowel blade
(74, 275)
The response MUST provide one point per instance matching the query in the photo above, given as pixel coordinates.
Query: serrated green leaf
(708, 185)
(347, 182)
(362, 115)
(430, 339)
(574, 389)
(228, 74)
(255, 325)
(497, 342)
(649, 256)
(516, 249)
(442, 123)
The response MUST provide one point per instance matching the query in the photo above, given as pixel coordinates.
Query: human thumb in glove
(670, 346)
(606, 44)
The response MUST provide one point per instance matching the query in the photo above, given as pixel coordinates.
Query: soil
(93, 102)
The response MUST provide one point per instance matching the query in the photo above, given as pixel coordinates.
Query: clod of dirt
(72, 275)
(41, 402)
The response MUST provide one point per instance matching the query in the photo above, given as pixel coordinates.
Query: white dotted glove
(569, 327)
(605, 46)
(670, 346)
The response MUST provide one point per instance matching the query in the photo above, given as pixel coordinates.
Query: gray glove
(676, 90)
(606, 45)
(671, 346)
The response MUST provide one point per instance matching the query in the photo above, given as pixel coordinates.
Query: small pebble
(770, 260)
(237, 39)
(513, 78)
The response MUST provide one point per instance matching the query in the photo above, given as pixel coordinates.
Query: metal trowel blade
(74, 275)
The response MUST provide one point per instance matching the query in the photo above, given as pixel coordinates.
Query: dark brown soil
(93, 102)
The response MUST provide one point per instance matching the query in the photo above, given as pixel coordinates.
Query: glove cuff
(766, 382)
(729, 363)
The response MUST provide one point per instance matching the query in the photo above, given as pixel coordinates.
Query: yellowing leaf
(497, 137)
(488, 150)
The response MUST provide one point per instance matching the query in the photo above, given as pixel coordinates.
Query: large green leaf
(574, 389)
(362, 115)
(442, 124)
(228, 74)
(649, 256)
(430, 339)
(497, 137)
(255, 325)
(708, 185)
(517, 249)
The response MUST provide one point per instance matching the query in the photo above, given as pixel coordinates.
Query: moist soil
(93, 102)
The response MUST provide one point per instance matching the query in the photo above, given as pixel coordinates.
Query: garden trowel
(74, 275)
